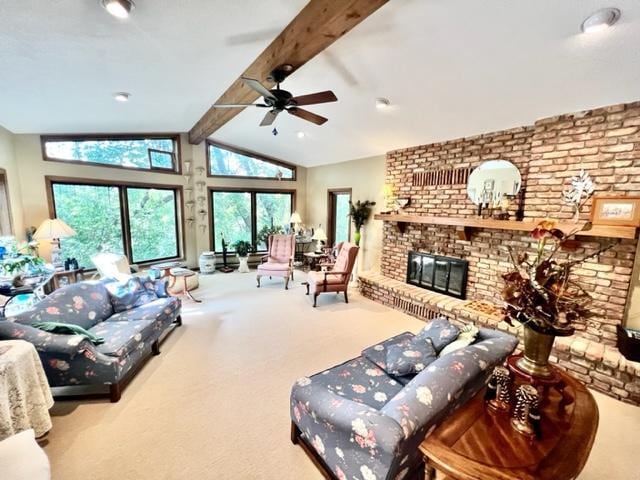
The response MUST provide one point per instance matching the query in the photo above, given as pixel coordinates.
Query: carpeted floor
(214, 404)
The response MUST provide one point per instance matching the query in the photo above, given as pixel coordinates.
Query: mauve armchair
(278, 262)
(336, 279)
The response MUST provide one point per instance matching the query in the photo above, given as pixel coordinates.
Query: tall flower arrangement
(539, 292)
(360, 213)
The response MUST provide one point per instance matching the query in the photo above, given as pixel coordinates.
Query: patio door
(339, 221)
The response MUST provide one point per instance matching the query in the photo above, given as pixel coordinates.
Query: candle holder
(525, 419)
(498, 390)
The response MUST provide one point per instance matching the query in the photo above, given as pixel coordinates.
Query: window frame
(254, 223)
(124, 210)
(331, 212)
(248, 153)
(176, 154)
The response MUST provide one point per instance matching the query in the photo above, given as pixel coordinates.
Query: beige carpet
(214, 404)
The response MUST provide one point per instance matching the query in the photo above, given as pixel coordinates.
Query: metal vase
(537, 348)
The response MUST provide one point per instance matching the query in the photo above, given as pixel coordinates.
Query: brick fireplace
(604, 142)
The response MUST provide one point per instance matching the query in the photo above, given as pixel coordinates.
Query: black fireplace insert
(441, 274)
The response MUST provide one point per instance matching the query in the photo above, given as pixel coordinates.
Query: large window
(248, 215)
(141, 222)
(225, 161)
(149, 152)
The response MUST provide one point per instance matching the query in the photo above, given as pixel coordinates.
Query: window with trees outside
(149, 152)
(225, 161)
(141, 222)
(250, 215)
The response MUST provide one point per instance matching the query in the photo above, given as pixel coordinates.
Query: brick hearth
(604, 142)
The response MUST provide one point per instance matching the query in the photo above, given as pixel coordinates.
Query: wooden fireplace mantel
(466, 226)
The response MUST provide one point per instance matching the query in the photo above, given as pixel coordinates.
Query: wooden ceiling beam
(318, 25)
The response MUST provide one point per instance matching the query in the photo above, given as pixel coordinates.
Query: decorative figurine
(527, 402)
(501, 378)
(577, 195)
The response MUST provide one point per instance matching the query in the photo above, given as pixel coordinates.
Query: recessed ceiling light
(600, 20)
(119, 8)
(301, 134)
(382, 103)
(121, 96)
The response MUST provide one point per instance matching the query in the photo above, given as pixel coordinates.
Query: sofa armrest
(318, 411)
(70, 345)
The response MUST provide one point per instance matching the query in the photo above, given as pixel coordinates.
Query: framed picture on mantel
(616, 210)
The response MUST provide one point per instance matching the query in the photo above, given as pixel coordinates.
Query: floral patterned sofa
(130, 319)
(358, 422)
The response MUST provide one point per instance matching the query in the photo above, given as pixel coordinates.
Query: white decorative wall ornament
(581, 189)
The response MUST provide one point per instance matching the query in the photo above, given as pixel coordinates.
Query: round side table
(28, 398)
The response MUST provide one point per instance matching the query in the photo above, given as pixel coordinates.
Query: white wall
(9, 164)
(366, 179)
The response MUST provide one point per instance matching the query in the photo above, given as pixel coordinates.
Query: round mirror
(493, 180)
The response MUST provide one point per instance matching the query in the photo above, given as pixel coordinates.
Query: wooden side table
(476, 444)
(72, 276)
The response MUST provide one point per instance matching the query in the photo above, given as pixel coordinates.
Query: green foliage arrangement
(266, 231)
(243, 248)
(16, 265)
(360, 212)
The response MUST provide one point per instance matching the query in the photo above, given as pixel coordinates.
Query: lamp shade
(320, 234)
(52, 229)
(295, 218)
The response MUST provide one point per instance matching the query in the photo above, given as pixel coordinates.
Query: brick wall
(605, 142)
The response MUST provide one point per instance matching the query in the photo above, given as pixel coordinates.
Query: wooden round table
(476, 444)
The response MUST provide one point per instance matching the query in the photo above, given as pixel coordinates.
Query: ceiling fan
(278, 101)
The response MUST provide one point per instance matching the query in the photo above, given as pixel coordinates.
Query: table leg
(429, 472)
(186, 292)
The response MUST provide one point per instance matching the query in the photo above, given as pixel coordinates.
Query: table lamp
(54, 230)
(320, 237)
(296, 220)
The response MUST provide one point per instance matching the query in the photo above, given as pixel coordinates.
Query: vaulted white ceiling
(450, 68)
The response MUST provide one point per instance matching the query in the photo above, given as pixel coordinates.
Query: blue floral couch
(358, 422)
(131, 318)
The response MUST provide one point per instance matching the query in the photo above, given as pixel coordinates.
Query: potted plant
(360, 213)
(16, 267)
(540, 293)
(266, 231)
(243, 248)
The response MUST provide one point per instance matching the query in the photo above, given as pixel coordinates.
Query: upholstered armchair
(278, 262)
(337, 278)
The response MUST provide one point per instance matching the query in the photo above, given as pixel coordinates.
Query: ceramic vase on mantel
(537, 348)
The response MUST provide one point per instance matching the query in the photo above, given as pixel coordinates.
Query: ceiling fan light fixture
(121, 97)
(382, 103)
(600, 20)
(301, 134)
(119, 8)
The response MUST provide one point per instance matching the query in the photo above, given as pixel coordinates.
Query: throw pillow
(466, 337)
(410, 358)
(440, 331)
(68, 329)
(129, 294)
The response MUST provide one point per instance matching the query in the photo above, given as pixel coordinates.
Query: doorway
(339, 221)
(5, 215)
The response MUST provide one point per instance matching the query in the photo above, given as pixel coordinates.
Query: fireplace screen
(441, 274)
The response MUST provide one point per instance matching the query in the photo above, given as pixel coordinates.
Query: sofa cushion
(162, 311)
(84, 304)
(122, 338)
(411, 358)
(361, 381)
(129, 294)
(378, 353)
(440, 331)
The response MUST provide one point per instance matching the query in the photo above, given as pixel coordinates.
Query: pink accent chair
(278, 262)
(336, 279)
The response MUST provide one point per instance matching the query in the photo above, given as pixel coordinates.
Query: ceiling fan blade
(258, 87)
(269, 118)
(307, 115)
(313, 98)
(241, 105)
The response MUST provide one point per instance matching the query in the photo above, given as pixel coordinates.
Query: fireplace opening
(437, 273)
